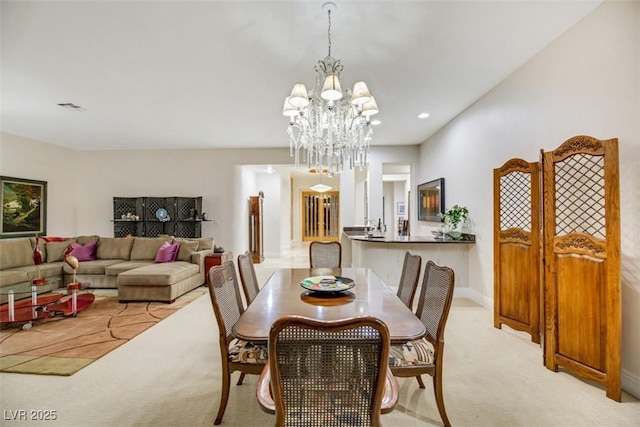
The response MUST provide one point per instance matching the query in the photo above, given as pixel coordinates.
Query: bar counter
(466, 239)
(385, 255)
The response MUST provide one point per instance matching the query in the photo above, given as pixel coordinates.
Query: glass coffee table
(26, 310)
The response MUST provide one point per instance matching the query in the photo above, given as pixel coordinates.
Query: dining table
(284, 294)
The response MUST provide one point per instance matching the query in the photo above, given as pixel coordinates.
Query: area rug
(64, 345)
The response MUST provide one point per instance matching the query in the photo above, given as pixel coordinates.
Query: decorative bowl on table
(437, 234)
(327, 284)
(455, 235)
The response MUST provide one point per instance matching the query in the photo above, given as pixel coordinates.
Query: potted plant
(454, 217)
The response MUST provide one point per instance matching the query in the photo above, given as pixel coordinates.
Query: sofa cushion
(167, 252)
(47, 270)
(121, 267)
(98, 266)
(162, 274)
(83, 240)
(55, 250)
(85, 252)
(205, 243)
(12, 277)
(145, 248)
(114, 248)
(187, 247)
(15, 253)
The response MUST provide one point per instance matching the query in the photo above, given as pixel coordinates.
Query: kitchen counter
(466, 238)
(385, 255)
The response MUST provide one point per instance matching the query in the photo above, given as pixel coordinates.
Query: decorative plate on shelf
(162, 214)
(327, 283)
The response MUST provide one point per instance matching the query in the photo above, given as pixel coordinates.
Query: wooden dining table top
(283, 295)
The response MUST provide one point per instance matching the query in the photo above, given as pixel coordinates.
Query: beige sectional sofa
(125, 263)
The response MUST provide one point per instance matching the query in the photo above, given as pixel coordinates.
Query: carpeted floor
(170, 375)
(64, 345)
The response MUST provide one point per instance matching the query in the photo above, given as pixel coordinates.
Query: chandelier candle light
(332, 126)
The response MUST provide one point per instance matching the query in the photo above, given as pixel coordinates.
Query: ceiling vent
(73, 107)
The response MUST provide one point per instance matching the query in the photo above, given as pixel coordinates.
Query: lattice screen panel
(152, 204)
(187, 208)
(515, 201)
(125, 205)
(153, 229)
(580, 198)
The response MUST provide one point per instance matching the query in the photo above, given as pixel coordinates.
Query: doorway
(320, 216)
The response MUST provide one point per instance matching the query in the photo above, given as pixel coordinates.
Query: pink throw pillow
(84, 253)
(167, 252)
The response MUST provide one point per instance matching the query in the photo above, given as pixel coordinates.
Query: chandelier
(330, 127)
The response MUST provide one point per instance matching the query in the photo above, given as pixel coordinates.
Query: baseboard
(631, 383)
(475, 296)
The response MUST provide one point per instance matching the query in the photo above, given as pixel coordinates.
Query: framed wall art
(431, 200)
(24, 207)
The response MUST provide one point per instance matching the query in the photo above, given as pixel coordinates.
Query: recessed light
(375, 122)
(423, 115)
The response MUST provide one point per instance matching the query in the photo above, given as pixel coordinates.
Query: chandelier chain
(329, 30)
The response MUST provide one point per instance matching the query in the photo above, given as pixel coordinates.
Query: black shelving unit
(185, 216)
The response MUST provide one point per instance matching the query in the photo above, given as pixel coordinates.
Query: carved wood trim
(579, 144)
(514, 165)
(515, 235)
(579, 243)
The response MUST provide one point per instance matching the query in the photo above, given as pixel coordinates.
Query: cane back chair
(409, 278)
(236, 355)
(328, 373)
(325, 254)
(248, 276)
(425, 356)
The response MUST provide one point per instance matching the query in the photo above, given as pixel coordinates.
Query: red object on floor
(24, 314)
(66, 307)
(43, 301)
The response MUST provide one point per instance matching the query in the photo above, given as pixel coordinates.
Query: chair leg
(420, 383)
(240, 379)
(226, 382)
(437, 389)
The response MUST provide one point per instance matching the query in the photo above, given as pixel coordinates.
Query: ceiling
(207, 74)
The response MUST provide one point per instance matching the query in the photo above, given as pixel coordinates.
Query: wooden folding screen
(516, 272)
(581, 241)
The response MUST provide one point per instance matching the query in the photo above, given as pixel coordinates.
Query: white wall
(82, 185)
(24, 158)
(405, 154)
(587, 82)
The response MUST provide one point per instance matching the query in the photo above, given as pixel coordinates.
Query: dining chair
(409, 278)
(425, 356)
(236, 355)
(248, 276)
(329, 373)
(325, 254)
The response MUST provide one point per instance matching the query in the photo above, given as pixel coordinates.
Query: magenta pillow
(167, 252)
(84, 252)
